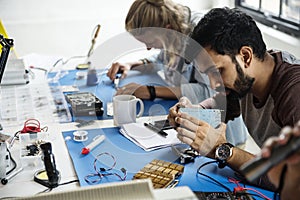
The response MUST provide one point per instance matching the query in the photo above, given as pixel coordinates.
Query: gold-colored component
(161, 173)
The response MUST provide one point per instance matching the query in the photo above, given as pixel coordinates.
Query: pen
(4, 181)
(155, 129)
(97, 140)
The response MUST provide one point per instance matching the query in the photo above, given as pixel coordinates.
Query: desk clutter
(163, 174)
(19, 103)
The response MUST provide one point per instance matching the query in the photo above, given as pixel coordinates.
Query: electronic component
(85, 104)
(163, 124)
(222, 195)
(163, 174)
(186, 156)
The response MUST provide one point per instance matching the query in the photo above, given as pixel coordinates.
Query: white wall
(64, 27)
(61, 27)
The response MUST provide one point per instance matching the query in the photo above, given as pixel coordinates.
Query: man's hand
(183, 102)
(291, 187)
(199, 134)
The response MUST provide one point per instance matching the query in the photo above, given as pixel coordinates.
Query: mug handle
(141, 107)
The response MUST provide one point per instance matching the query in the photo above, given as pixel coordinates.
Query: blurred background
(65, 27)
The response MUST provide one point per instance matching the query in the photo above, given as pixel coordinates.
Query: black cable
(281, 182)
(13, 161)
(219, 183)
(65, 183)
(47, 190)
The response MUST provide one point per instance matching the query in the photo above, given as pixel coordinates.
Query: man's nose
(215, 83)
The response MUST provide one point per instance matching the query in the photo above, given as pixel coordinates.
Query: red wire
(258, 192)
(239, 188)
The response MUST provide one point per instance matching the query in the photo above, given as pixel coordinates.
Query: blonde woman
(148, 21)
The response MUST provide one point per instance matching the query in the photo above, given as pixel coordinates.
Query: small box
(30, 152)
(85, 104)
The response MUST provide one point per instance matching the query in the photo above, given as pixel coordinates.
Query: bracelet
(152, 92)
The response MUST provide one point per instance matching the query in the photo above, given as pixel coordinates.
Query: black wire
(219, 183)
(13, 161)
(47, 190)
(225, 187)
(73, 181)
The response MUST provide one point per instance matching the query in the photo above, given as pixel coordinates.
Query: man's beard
(242, 85)
(230, 104)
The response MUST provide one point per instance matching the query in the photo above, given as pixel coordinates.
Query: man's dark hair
(226, 30)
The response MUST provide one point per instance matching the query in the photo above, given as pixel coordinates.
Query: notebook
(147, 139)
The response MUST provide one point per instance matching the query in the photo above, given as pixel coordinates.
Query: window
(283, 15)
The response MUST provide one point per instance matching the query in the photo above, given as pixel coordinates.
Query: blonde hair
(160, 14)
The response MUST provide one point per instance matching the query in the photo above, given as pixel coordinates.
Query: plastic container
(30, 152)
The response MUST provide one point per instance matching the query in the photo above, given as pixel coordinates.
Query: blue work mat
(127, 155)
(105, 91)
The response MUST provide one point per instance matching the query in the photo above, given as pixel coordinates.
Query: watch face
(223, 152)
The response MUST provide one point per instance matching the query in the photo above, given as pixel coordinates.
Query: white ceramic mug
(124, 109)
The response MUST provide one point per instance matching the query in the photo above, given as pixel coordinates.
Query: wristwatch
(223, 153)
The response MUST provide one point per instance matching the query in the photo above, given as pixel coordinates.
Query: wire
(240, 188)
(14, 163)
(103, 172)
(69, 182)
(47, 190)
(219, 183)
(254, 195)
(65, 62)
(258, 192)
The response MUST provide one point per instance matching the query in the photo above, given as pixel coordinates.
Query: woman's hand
(140, 91)
(118, 68)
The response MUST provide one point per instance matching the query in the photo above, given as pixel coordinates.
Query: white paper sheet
(148, 139)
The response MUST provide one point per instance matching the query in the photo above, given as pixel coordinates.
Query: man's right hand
(293, 162)
(118, 68)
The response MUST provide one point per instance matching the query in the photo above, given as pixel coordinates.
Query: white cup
(124, 109)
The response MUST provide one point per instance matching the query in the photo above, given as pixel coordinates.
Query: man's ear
(247, 54)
